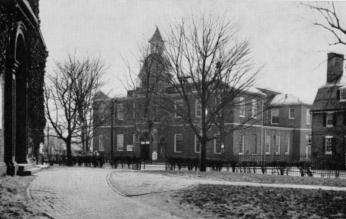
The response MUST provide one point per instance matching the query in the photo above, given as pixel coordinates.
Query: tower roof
(156, 37)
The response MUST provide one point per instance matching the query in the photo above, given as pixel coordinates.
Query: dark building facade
(266, 123)
(329, 114)
(22, 62)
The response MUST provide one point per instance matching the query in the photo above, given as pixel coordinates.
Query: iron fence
(300, 165)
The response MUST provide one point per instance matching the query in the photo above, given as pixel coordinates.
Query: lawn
(260, 178)
(224, 201)
(14, 202)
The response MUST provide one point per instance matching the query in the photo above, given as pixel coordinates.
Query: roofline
(293, 104)
(327, 110)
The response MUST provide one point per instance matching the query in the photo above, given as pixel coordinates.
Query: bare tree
(69, 94)
(210, 66)
(330, 21)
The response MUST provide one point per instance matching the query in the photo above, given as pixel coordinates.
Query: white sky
(281, 35)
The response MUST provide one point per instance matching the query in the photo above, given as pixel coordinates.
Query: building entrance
(145, 150)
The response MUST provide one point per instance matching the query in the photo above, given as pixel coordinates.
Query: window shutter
(334, 119)
(324, 145)
(338, 94)
(333, 145)
(324, 119)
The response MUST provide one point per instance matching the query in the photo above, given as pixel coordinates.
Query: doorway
(145, 151)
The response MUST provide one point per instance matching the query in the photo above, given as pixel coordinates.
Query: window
(217, 144)
(120, 111)
(291, 113)
(342, 93)
(242, 107)
(178, 107)
(134, 139)
(267, 144)
(101, 148)
(242, 144)
(274, 116)
(178, 143)
(198, 109)
(218, 102)
(102, 111)
(131, 147)
(254, 108)
(120, 142)
(254, 140)
(133, 110)
(328, 144)
(277, 144)
(308, 117)
(329, 120)
(288, 145)
(197, 145)
(308, 139)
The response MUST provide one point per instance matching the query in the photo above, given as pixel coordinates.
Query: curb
(113, 187)
(32, 201)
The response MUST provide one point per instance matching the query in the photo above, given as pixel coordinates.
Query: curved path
(84, 193)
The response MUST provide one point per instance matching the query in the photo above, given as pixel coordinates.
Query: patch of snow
(286, 99)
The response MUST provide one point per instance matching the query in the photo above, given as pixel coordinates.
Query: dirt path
(84, 193)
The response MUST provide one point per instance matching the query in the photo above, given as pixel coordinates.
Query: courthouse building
(270, 124)
(22, 62)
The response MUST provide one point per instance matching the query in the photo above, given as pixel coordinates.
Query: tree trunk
(68, 152)
(202, 162)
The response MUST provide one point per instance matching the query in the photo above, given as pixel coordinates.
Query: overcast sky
(281, 35)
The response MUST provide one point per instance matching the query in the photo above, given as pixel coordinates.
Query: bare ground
(14, 202)
(170, 192)
(224, 201)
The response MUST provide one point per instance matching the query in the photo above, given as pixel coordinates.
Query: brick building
(22, 62)
(269, 124)
(329, 113)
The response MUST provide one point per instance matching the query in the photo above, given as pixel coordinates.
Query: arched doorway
(15, 101)
(21, 102)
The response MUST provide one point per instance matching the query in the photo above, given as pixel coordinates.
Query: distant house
(329, 113)
(22, 63)
(281, 131)
(288, 121)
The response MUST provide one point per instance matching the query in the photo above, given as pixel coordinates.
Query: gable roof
(286, 99)
(100, 96)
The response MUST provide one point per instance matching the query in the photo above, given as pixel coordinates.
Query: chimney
(334, 68)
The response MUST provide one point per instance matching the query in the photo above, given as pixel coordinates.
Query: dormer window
(342, 94)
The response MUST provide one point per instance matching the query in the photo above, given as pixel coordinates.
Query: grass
(260, 178)
(262, 202)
